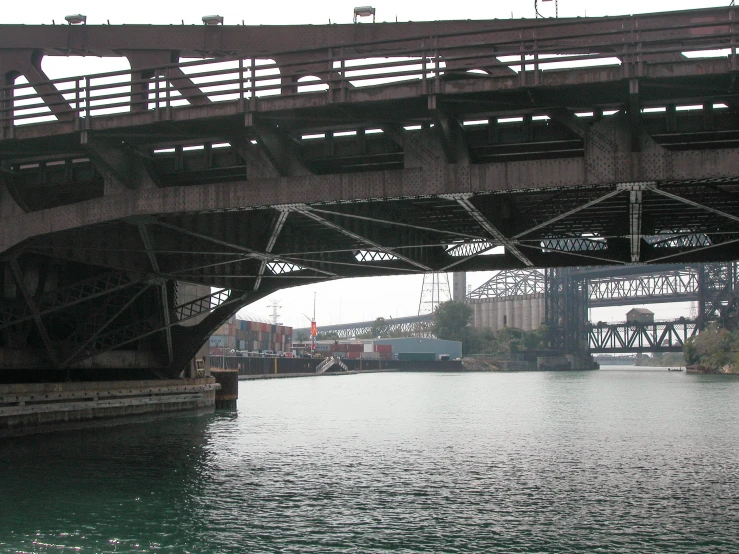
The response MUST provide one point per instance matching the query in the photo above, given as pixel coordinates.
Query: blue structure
(439, 347)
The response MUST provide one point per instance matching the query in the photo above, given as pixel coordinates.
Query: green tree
(714, 348)
(690, 353)
(380, 327)
(537, 339)
(451, 320)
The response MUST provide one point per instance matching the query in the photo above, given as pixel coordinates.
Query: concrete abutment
(44, 407)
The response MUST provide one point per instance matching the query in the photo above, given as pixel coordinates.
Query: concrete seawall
(44, 407)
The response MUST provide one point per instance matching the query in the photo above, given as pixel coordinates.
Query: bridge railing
(524, 51)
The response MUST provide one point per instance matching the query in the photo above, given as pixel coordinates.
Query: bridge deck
(421, 147)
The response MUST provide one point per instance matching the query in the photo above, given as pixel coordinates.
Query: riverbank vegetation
(452, 321)
(715, 349)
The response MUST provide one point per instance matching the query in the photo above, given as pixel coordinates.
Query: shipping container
(417, 356)
(370, 355)
(384, 348)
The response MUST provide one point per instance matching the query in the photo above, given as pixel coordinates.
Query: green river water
(622, 460)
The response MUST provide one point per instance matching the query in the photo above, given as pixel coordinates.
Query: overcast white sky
(352, 299)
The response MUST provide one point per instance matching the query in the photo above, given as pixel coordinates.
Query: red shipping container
(354, 355)
(384, 348)
(355, 347)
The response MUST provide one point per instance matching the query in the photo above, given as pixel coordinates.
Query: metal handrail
(75, 96)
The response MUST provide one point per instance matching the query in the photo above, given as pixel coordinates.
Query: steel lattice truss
(677, 285)
(714, 286)
(475, 163)
(414, 325)
(511, 283)
(663, 336)
(651, 285)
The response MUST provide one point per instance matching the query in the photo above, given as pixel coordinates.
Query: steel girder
(157, 195)
(660, 336)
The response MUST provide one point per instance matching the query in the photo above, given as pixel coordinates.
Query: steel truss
(414, 325)
(715, 286)
(661, 336)
(653, 285)
(510, 283)
(675, 285)
(126, 207)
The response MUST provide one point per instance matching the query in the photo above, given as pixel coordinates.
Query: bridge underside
(105, 216)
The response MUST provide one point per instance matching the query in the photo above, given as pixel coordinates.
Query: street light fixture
(364, 11)
(78, 19)
(213, 19)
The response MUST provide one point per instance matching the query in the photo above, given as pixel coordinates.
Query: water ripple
(604, 462)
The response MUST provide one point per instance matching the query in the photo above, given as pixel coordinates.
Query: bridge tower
(718, 294)
(566, 308)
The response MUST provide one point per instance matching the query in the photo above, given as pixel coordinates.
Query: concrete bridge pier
(45, 407)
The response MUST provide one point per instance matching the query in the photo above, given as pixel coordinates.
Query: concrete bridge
(301, 154)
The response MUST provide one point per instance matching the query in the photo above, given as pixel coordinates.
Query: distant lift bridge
(569, 292)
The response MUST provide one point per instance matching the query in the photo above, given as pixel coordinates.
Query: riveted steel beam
(148, 245)
(483, 221)
(43, 332)
(253, 253)
(306, 211)
(275, 232)
(279, 147)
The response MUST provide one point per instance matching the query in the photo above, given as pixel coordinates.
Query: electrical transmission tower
(275, 314)
(434, 291)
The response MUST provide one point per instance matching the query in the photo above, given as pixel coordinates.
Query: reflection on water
(627, 460)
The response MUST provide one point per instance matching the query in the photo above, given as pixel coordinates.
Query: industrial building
(407, 348)
(524, 312)
(640, 315)
(419, 345)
